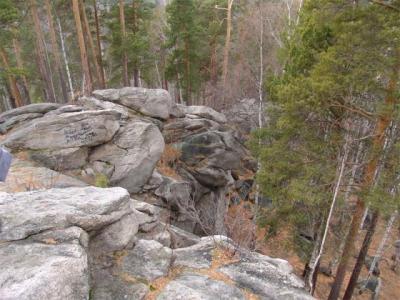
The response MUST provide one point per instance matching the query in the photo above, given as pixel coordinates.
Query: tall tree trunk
(10, 101)
(315, 263)
(14, 91)
(56, 51)
(60, 32)
(91, 46)
(136, 72)
(384, 240)
(41, 53)
(227, 48)
(188, 87)
(125, 75)
(99, 50)
(88, 88)
(369, 175)
(356, 163)
(20, 65)
(311, 268)
(361, 257)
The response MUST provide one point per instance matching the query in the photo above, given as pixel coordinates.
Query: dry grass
(128, 278)
(222, 256)
(169, 159)
(249, 295)
(159, 284)
(50, 241)
(119, 256)
(240, 226)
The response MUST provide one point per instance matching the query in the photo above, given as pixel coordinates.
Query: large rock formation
(116, 137)
(62, 238)
(93, 243)
(153, 103)
(133, 152)
(67, 130)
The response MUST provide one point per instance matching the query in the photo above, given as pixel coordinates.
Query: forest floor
(278, 247)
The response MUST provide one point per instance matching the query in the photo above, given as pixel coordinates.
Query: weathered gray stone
(17, 120)
(199, 287)
(199, 256)
(40, 108)
(72, 235)
(269, 278)
(150, 102)
(211, 156)
(178, 129)
(118, 235)
(93, 103)
(266, 277)
(65, 109)
(177, 193)
(154, 103)
(169, 236)
(266, 281)
(149, 260)
(89, 208)
(176, 112)
(107, 94)
(155, 181)
(203, 111)
(133, 152)
(144, 207)
(105, 286)
(213, 177)
(61, 159)
(69, 130)
(43, 271)
(104, 168)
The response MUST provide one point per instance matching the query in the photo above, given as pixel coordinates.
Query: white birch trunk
(60, 32)
(314, 264)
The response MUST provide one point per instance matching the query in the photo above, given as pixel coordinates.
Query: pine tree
(194, 33)
(337, 64)
(129, 25)
(9, 15)
(183, 38)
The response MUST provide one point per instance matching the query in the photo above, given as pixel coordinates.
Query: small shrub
(101, 180)
(168, 162)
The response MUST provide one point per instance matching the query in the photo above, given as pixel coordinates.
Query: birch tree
(125, 74)
(56, 51)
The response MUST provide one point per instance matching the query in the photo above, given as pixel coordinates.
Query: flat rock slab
(46, 272)
(61, 159)
(90, 208)
(204, 112)
(40, 108)
(199, 287)
(96, 104)
(155, 103)
(17, 120)
(69, 130)
(149, 260)
(134, 153)
(265, 279)
(199, 256)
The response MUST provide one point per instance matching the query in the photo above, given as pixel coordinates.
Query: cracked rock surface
(91, 243)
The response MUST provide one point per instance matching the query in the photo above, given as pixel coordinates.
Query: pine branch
(385, 4)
